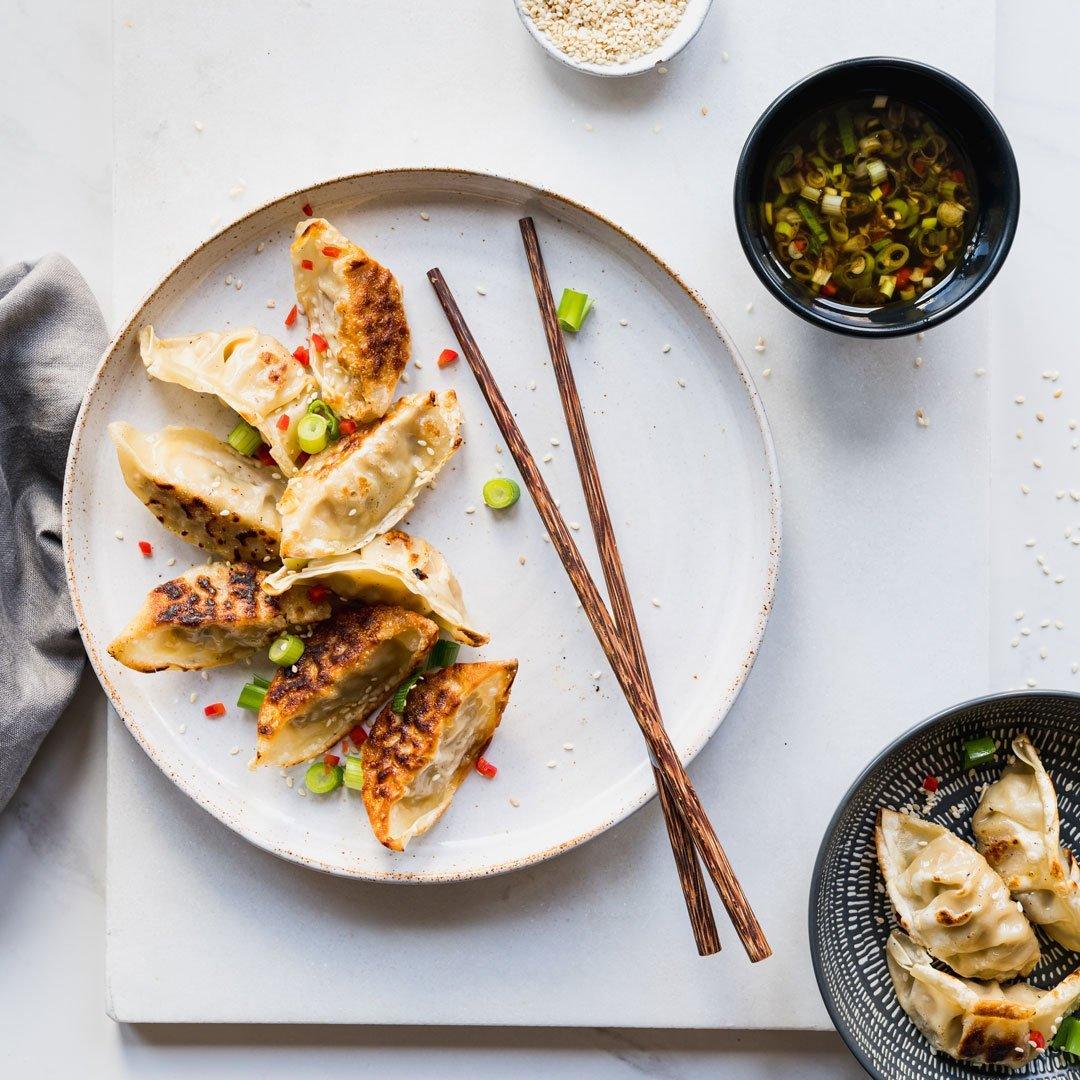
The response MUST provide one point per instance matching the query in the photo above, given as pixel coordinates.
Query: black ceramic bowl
(962, 115)
(850, 916)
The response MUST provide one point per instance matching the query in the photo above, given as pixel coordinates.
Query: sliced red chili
(485, 768)
(358, 735)
(903, 276)
(283, 422)
(830, 288)
(307, 209)
(146, 548)
(957, 175)
(320, 343)
(919, 166)
(331, 252)
(347, 427)
(301, 458)
(931, 783)
(331, 759)
(886, 187)
(1038, 1038)
(265, 457)
(318, 593)
(307, 264)
(447, 356)
(217, 709)
(301, 355)
(290, 319)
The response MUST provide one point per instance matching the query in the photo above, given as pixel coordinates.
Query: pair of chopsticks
(687, 823)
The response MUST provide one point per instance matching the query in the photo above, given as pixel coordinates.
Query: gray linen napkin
(51, 336)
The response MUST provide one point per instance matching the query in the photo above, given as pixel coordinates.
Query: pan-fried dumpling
(1018, 829)
(366, 482)
(950, 901)
(252, 373)
(415, 762)
(394, 568)
(354, 305)
(351, 664)
(983, 1023)
(204, 491)
(210, 616)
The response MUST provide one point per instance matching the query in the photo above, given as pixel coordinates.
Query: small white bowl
(674, 43)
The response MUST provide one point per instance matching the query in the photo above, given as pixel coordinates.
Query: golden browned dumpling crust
(351, 664)
(415, 762)
(355, 303)
(210, 616)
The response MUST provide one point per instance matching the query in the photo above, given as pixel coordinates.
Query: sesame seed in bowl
(613, 37)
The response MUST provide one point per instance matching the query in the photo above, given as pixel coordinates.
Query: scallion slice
(245, 439)
(978, 752)
(1067, 1038)
(313, 433)
(501, 493)
(259, 681)
(573, 307)
(402, 693)
(321, 779)
(319, 408)
(354, 772)
(251, 697)
(444, 654)
(846, 130)
(286, 650)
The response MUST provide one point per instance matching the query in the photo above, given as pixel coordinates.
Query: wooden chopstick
(637, 696)
(698, 906)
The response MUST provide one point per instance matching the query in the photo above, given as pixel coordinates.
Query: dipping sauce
(868, 203)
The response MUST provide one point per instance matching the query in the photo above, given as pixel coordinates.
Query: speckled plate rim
(648, 791)
(819, 863)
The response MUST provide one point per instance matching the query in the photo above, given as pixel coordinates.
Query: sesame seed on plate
(920, 335)
(1040, 416)
(623, 322)
(481, 290)
(568, 746)
(575, 525)
(1018, 616)
(1029, 543)
(980, 371)
(1059, 624)
(271, 304)
(1024, 489)
(766, 372)
(198, 125)
(521, 560)
(514, 802)
(552, 764)
(1019, 399)
(235, 750)
(237, 189)
(921, 418)
(655, 601)
(470, 509)
(260, 247)
(289, 781)
(424, 215)
(301, 791)
(1059, 392)
(546, 458)
(1030, 682)
(680, 382)
(918, 361)
(1026, 631)
(405, 376)
(759, 345)
(1044, 623)
(596, 674)
(725, 56)
(666, 349)
(1037, 462)
(554, 441)
(749, 307)
(532, 384)
(118, 534)
(182, 729)
(1015, 642)
(1044, 652)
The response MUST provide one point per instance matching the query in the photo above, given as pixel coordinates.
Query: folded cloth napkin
(51, 336)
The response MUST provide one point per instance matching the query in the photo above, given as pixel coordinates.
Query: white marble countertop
(51, 838)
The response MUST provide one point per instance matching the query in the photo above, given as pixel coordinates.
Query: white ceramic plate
(689, 472)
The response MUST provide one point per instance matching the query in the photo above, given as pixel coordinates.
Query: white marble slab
(886, 547)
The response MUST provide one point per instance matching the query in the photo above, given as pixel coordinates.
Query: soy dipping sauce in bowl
(877, 197)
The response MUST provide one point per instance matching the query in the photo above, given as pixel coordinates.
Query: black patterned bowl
(850, 916)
